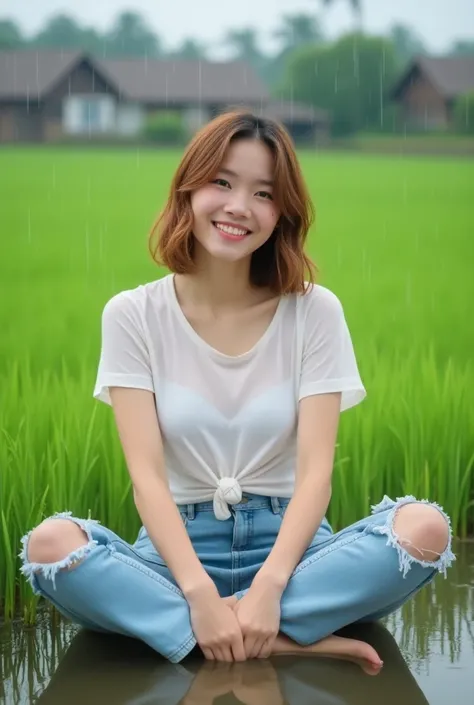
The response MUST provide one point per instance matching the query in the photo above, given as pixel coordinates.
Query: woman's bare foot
(358, 652)
(339, 647)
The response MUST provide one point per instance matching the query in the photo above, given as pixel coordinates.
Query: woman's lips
(230, 236)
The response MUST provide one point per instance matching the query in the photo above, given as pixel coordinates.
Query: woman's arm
(316, 443)
(140, 436)
(214, 624)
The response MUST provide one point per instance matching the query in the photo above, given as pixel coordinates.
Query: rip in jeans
(406, 560)
(50, 570)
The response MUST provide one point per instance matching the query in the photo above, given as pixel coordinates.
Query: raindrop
(200, 82)
(408, 290)
(101, 245)
(14, 73)
(364, 261)
(71, 258)
(29, 225)
(87, 247)
(381, 99)
(37, 77)
(355, 57)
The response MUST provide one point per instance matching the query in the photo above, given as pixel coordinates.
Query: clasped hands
(228, 629)
(253, 683)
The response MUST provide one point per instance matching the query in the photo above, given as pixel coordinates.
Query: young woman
(227, 378)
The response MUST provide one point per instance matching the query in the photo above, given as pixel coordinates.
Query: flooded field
(427, 648)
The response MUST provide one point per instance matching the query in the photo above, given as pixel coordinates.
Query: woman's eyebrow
(229, 172)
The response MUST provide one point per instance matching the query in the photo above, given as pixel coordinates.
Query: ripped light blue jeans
(358, 574)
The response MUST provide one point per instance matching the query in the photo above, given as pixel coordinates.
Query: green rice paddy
(393, 239)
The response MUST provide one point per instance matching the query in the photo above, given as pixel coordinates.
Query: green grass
(393, 239)
(447, 143)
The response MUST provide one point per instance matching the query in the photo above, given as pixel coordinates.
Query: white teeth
(230, 230)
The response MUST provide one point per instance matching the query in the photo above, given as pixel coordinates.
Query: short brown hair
(280, 263)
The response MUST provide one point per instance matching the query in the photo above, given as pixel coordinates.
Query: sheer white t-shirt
(228, 422)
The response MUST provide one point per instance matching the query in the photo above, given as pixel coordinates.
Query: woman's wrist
(201, 587)
(270, 581)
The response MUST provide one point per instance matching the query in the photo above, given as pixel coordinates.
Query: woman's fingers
(252, 646)
(208, 654)
(218, 653)
(227, 654)
(238, 649)
(267, 648)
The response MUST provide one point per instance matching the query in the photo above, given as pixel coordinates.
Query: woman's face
(235, 213)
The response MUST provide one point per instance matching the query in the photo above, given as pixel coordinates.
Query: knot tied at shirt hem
(228, 492)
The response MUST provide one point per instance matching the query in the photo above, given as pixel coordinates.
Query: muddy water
(427, 648)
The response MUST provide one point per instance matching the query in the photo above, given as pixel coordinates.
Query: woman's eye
(221, 182)
(265, 194)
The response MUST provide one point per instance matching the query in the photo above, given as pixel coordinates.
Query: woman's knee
(422, 530)
(54, 540)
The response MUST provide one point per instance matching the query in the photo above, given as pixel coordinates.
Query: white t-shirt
(228, 423)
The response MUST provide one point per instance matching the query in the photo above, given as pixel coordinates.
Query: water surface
(427, 648)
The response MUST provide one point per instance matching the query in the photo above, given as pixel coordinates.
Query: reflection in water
(108, 670)
(441, 619)
(55, 663)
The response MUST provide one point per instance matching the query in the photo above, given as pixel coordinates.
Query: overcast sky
(439, 22)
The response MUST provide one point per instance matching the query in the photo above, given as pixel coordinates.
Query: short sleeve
(328, 359)
(124, 358)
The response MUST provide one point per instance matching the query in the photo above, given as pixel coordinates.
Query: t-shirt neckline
(186, 325)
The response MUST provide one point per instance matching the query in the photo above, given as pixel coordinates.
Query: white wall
(101, 114)
(195, 117)
(89, 114)
(129, 118)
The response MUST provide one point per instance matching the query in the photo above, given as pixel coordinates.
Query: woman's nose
(238, 205)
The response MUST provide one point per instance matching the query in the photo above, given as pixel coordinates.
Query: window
(90, 115)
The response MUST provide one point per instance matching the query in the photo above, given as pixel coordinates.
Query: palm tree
(130, 36)
(244, 44)
(356, 6)
(297, 30)
(406, 42)
(190, 49)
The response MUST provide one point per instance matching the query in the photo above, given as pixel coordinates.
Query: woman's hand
(216, 627)
(213, 680)
(258, 613)
(259, 685)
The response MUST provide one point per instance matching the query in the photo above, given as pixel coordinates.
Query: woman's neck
(219, 284)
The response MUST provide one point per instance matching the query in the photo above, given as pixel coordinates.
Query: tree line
(130, 36)
(351, 77)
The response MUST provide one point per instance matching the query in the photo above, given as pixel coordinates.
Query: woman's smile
(231, 232)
